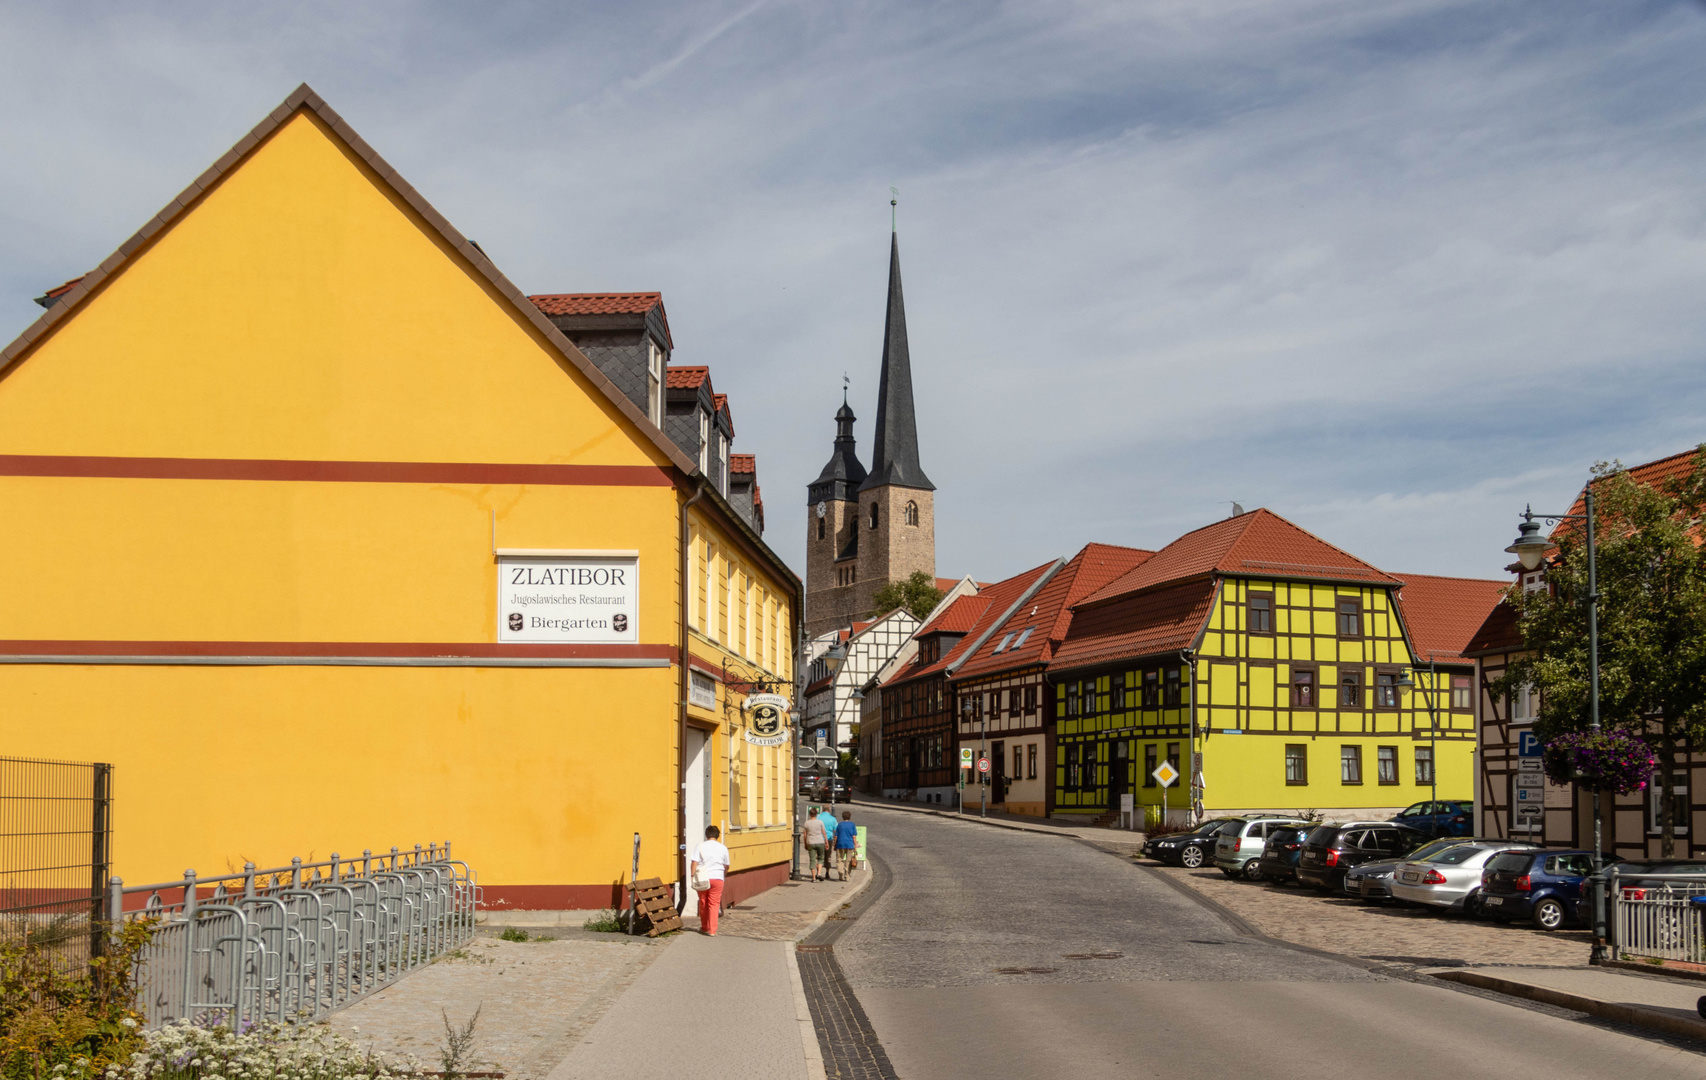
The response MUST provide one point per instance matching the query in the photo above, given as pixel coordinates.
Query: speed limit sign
(983, 765)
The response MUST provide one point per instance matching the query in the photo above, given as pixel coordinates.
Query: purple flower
(1608, 760)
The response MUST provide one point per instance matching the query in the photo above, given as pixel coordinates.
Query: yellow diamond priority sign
(1165, 775)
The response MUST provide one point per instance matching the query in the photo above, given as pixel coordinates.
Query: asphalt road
(980, 961)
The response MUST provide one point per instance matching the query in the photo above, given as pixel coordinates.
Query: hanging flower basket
(1608, 760)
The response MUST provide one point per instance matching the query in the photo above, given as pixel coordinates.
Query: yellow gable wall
(300, 310)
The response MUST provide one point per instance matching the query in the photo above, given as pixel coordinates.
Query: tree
(1652, 622)
(918, 594)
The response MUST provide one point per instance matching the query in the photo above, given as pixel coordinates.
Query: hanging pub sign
(768, 724)
(571, 598)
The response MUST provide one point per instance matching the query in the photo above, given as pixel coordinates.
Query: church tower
(864, 530)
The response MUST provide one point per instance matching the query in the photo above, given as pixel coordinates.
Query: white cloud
(1353, 262)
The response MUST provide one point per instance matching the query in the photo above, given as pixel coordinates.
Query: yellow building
(1282, 658)
(328, 539)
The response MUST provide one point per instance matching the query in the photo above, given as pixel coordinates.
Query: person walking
(816, 841)
(827, 816)
(712, 858)
(846, 840)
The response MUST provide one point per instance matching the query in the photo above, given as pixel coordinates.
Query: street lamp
(1530, 549)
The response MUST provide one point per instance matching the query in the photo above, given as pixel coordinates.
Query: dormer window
(704, 442)
(654, 385)
(723, 463)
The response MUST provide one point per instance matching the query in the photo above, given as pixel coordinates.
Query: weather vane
(845, 383)
(894, 201)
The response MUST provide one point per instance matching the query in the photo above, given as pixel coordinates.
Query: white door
(696, 796)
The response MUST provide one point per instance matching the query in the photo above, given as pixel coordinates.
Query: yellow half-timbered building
(1282, 660)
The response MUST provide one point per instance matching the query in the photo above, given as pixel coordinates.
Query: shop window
(1152, 689)
(1302, 689)
(1297, 764)
(1424, 765)
(1386, 764)
(1150, 764)
(1461, 691)
(1261, 613)
(1171, 697)
(1350, 617)
(1386, 692)
(1350, 764)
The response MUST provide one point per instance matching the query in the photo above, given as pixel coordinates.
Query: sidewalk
(1654, 1002)
(725, 1008)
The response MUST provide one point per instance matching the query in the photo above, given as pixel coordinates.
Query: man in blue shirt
(846, 839)
(827, 816)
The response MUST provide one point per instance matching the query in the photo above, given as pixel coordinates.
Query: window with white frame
(702, 690)
(723, 464)
(704, 443)
(1679, 803)
(1524, 704)
(654, 385)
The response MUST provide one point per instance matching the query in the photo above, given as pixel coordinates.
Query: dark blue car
(1544, 887)
(1447, 817)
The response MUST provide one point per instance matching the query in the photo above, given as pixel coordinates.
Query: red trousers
(710, 905)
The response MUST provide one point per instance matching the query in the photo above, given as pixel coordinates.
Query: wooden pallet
(655, 903)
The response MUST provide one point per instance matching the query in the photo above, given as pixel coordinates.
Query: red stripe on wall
(347, 472)
(335, 648)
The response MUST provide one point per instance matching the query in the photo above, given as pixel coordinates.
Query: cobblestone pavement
(536, 999)
(1386, 932)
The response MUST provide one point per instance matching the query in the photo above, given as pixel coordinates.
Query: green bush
(61, 1017)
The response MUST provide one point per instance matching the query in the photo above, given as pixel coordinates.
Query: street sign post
(983, 766)
(1165, 775)
(1528, 745)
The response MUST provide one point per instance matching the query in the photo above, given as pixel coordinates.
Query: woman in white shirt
(713, 858)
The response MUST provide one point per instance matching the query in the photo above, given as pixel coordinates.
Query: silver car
(1450, 878)
(1239, 845)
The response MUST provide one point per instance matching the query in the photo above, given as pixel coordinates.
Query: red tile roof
(619, 303)
(743, 463)
(1652, 474)
(1256, 544)
(960, 617)
(678, 377)
(984, 610)
(60, 290)
(1049, 613)
(1149, 623)
(1498, 633)
(1444, 613)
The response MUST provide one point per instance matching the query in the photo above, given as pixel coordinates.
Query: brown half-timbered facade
(1631, 823)
(1005, 680)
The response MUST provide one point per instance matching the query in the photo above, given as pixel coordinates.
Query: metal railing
(1654, 918)
(55, 843)
(296, 942)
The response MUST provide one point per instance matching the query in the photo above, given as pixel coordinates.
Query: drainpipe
(1190, 657)
(681, 712)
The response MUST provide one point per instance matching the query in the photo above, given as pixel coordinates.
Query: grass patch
(606, 922)
(513, 933)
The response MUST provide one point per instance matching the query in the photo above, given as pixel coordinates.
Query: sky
(1392, 270)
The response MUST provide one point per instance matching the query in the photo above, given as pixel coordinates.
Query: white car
(1239, 845)
(1450, 878)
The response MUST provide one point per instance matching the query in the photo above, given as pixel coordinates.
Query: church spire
(894, 460)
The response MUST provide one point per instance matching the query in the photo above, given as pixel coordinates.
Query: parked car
(809, 784)
(839, 791)
(1546, 887)
(1280, 851)
(1636, 878)
(1454, 817)
(1371, 881)
(1331, 850)
(1190, 849)
(1239, 844)
(1449, 879)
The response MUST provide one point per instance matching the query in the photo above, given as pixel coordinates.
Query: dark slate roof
(843, 474)
(895, 457)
